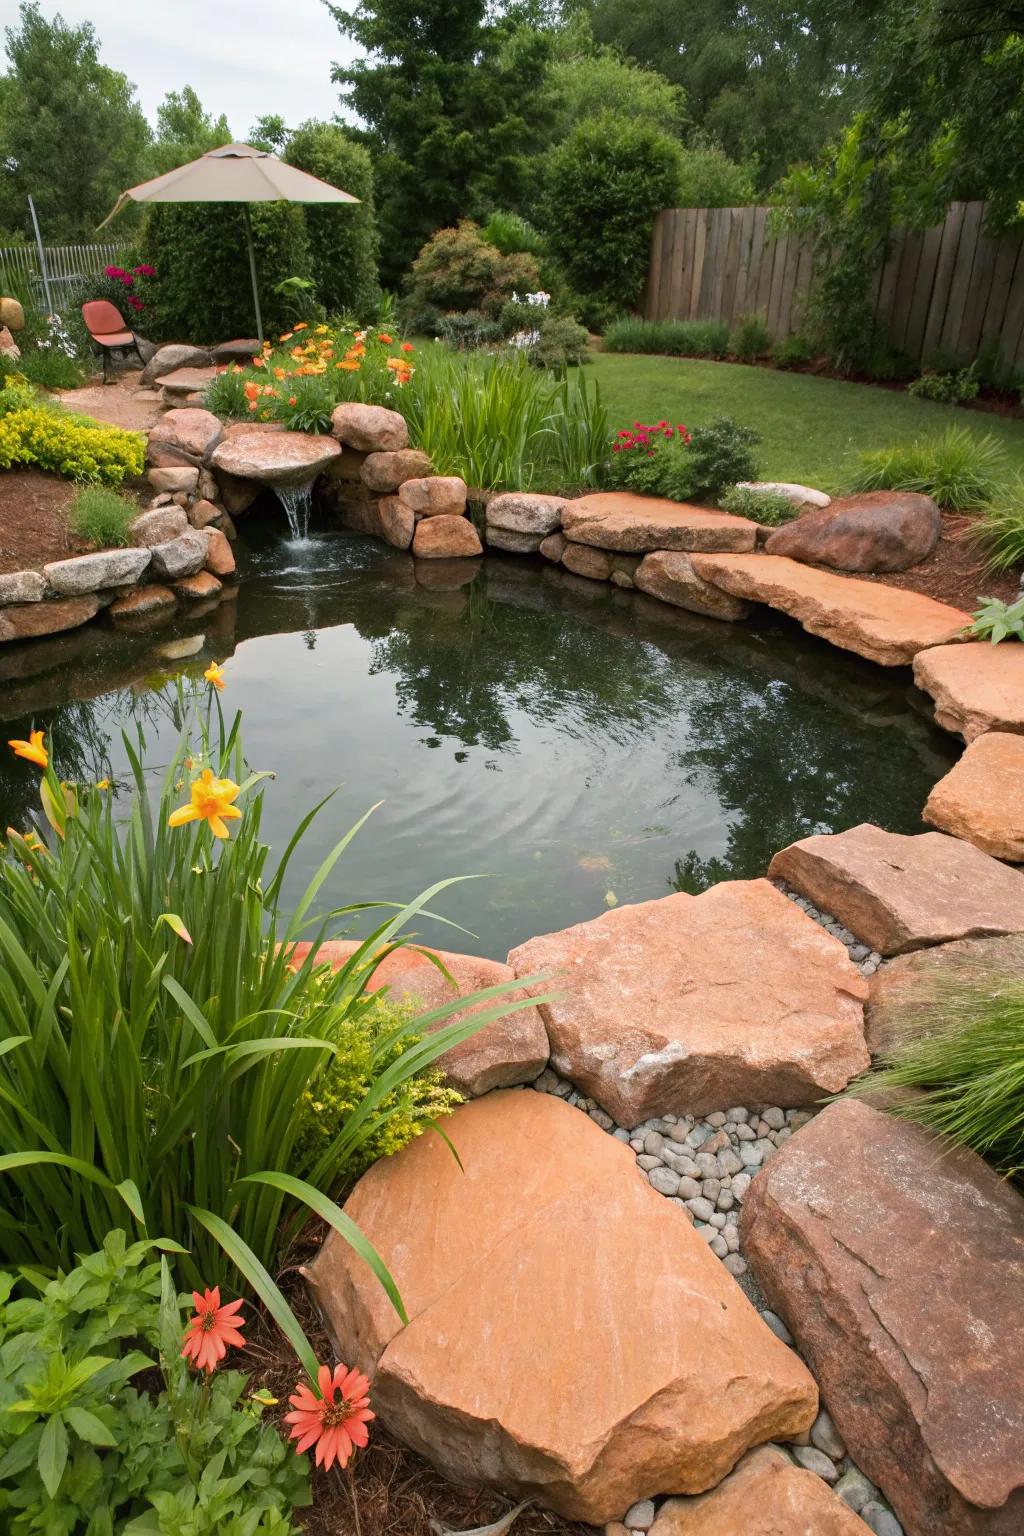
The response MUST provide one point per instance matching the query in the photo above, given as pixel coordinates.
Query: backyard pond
(577, 745)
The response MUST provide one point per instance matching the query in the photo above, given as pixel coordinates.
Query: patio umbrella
(235, 173)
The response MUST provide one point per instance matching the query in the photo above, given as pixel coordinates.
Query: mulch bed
(33, 520)
(956, 571)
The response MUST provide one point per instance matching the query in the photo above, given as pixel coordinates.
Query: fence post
(42, 258)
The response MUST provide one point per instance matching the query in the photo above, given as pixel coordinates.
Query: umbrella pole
(252, 271)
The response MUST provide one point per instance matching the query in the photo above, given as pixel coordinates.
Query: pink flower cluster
(644, 439)
(118, 274)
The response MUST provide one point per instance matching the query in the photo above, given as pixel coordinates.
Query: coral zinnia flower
(212, 1329)
(336, 1420)
(215, 676)
(32, 750)
(211, 801)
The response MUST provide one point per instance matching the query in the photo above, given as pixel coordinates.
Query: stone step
(620, 520)
(976, 687)
(884, 624)
(981, 798)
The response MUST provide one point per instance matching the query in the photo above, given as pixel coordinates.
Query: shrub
(956, 1064)
(131, 288)
(603, 187)
(51, 369)
(996, 620)
(102, 1422)
(765, 507)
(1000, 526)
(709, 179)
(751, 339)
(458, 270)
(76, 446)
(674, 338)
(344, 245)
(792, 352)
(102, 516)
(720, 454)
(666, 460)
(950, 388)
(510, 233)
(470, 329)
(548, 340)
(957, 469)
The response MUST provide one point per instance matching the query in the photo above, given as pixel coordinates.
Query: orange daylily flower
(32, 750)
(349, 364)
(292, 400)
(259, 362)
(279, 373)
(336, 1420)
(214, 675)
(303, 325)
(287, 336)
(407, 346)
(251, 390)
(385, 338)
(211, 802)
(212, 1329)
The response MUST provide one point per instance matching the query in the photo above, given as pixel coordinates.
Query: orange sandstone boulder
(622, 520)
(670, 576)
(981, 798)
(397, 521)
(434, 495)
(369, 428)
(445, 537)
(766, 1495)
(387, 471)
(274, 458)
(872, 531)
(977, 687)
(185, 436)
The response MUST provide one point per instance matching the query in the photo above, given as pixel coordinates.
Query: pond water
(578, 745)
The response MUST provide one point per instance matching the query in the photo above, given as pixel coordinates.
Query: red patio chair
(108, 332)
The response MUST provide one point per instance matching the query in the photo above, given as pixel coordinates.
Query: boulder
(166, 359)
(982, 797)
(361, 514)
(384, 472)
(435, 496)
(441, 538)
(766, 1495)
(236, 493)
(916, 983)
(507, 1051)
(12, 316)
(179, 557)
(670, 576)
(898, 893)
(8, 346)
(885, 624)
(26, 621)
(553, 547)
(220, 560)
(690, 1004)
(524, 512)
(397, 521)
(241, 350)
(143, 603)
(275, 458)
(622, 520)
(514, 543)
(22, 587)
(201, 514)
(182, 384)
(977, 687)
(584, 560)
(198, 587)
(898, 1264)
(158, 526)
(873, 531)
(800, 495)
(190, 433)
(172, 479)
(370, 428)
(585, 1385)
(91, 573)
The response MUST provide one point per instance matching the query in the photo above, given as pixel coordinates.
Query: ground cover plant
(997, 620)
(40, 432)
(766, 507)
(672, 338)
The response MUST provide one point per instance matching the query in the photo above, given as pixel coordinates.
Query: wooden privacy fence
(945, 293)
(66, 266)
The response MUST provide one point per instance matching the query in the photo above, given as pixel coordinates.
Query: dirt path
(120, 404)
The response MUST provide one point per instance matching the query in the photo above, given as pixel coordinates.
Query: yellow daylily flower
(102, 783)
(215, 676)
(211, 802)
(32, 750)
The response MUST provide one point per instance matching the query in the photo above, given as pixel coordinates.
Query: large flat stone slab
(691, 1004)
(977, 687)
(669, 575)
(623, 521)
(885, 624)
(898, 893)
(571, 1337)
(90, 573)
(766, 1495)
(507, 1051)
(981, 798)
(275, 458)
(898, 1265)
(921, 982)
(27, 621)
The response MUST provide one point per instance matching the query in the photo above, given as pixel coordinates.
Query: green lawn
(810, 427)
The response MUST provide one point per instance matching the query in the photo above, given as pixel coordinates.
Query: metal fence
(67, 267)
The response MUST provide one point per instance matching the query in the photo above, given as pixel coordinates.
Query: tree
(269, 132)
(343, 241)
(184, 131)
(71, 132)
(586, 79)
(709, 179)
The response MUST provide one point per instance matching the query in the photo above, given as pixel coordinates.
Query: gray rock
(684, 1165)
(707, 1162)
(664, 1180)
(853, 1487)
(689, 1189)
(813, 1460)
(524, 513)
(716, 1119)
(826, 1437)
(639, 1516)
(184, 479)
(22, 587)
(510, 541)
(735, 1265)
(647, 1161)
(774, 1118)
(729, 1162)
(777, 1327)
(88, 573)
(653, 1143)
(701, 1208)
(182, 556)
(745, 1133)
(880, 1520)
(719, 1247)
(740, 1185)
(602, 1119)
(698, 1136)
(711, 1189)
(167, 359)
(726, 1200)
(158, 526)
(737, 1116)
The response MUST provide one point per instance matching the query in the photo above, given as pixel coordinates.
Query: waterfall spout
(297, 501)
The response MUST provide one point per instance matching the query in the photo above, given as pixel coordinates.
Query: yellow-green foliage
(53, 439)
(404, 1113)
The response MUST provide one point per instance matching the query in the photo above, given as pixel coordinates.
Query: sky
(243, 57)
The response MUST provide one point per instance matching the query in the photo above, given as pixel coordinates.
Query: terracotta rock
(220, 560)
(898, 1265)
(622, 520)
(8, 346)
(505, 1052)
(670, 576)
(202, 585)
(22, 587)
(981, 798)
(397, 521)
(387, 471)
(524, 1368)
(799, 495)
(361, 514)
(523, 512)
(885, 624)
(90, 573)
(583, 560)
(875, 531)
(143, 603)
(912, 982)
(166, 359)
(370, 428)
(236, 493)
(350, 466)
(202, 513)
(766, 1495)
(898, 893)
(690, 1004)
(192, 434)
(441, 538)
(25, 621)
(977, 687)
(514, 543)
(275, 458)
(172, 479)
(182, 556)
(553, 547)
(158, 526)
(435, 496)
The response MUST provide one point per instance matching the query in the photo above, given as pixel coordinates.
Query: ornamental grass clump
(955, 468)
(103, 516)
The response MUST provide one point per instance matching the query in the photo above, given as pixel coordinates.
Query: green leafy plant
(510, 232)
(996, 620)
(51, 368)
(225, 395)
(674, 338)
(719, 454)
(458, 270)
(683, 465)
(768, 508)
(957, 469)
(950, 388)
(547, 339)
(792, 352)
(103, 516)
(751, 338)
(103, 1427)
(472, 328)
(307, 404)
(1000, 526)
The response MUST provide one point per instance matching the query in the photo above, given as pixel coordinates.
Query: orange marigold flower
(385, 338)
(212, 1329)
(32, 750)
(407, 346)
(336, 1420)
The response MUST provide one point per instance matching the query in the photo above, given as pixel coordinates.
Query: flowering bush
(76, 446)
(672, 461)
(134, 281)
(458, 270)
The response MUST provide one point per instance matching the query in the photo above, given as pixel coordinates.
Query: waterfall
(297, 501)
